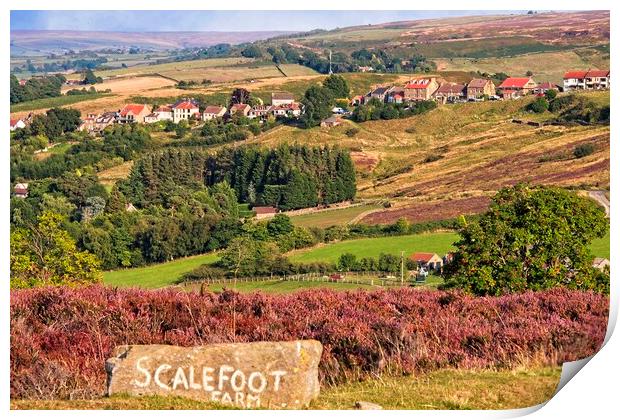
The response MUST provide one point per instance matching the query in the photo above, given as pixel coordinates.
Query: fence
(371, 278)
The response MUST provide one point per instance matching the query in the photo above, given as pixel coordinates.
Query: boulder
(364, 405)
(246, 375)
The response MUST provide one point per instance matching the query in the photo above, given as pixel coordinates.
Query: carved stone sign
(246, 375)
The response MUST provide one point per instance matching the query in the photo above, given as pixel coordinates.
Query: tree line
(36, 88)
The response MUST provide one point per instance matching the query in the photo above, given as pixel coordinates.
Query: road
(601, 198)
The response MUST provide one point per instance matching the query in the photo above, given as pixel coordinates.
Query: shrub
(583, 150)
(351, 132)
(538, 106)
(433, 158)
(61, 337)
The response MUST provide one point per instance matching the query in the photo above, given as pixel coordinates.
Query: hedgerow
(60, 337)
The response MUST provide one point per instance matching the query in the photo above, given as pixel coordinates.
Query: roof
(21, 185)
(515, 82)
(265, 210)
(451, 88)
(578, 74)
(380, 90)
(478, 83)
(547, 85)
(135, 109)
(238, 107)
(418, 84)
(214, 109)
(282, 96)
(422, 256)
(293, 106)
(164, 108)
(13, 122)
(597, 73)
(185, 104)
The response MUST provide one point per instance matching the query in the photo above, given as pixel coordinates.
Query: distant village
(284, 106)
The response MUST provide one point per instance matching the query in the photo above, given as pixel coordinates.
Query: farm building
(586, 79)
(184, 110)
(133, 113)
(420, 89)
(427, 260)
(515, 87)
(282, 98)
(243, 109)
(449, 92)
(264, 212)
(15, 124)
(378, 93)
(213, 112)
(332, 121)
(477, 88)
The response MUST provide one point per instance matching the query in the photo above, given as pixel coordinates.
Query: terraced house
(420, 89)
(478, 88)
(586, 79)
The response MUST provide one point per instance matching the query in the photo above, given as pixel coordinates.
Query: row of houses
(430, 87)
(283, 105)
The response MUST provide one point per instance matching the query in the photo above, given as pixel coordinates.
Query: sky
(153, 21)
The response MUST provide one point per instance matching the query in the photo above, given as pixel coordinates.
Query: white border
(591, 394)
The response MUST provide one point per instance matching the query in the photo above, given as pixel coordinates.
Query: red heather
(60, 337)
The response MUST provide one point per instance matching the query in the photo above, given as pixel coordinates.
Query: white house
(184, 110)
(15, 124)
(586, 80)
(260, 111)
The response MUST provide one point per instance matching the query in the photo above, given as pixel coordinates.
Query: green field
(55, 102)
(157, 275)
(332, 217)
(439, 243)
(600, 247)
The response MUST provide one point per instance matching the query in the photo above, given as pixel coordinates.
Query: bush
(539, 106)
(433, 158)
(61, 337)
(352, 132)
(583, 150)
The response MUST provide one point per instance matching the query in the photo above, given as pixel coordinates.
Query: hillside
(449, 161)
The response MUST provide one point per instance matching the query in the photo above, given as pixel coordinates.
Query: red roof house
(134, 113)
(516, 86)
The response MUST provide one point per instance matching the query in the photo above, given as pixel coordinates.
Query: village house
(262, 112)
(515, 87)
(104, 120)
(164, 113)
(88, 123)
(21, 190)
(449, 92)
(332, 121)
(15, 124)
(396, 95)
(477, 88)
(357, 100)
(240, 109)
(286, 111)
(427, 260)
(421, 89)
(213, 112)
(282, 98)
(545, 86)
(586, 80)
(184, 110)
(378, 93)
(365, 69)
(264, 212)
(151, 118)
(597, 79)
(133, 113)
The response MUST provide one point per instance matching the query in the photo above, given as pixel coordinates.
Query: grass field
(332, 217)
(439, 243)
(157, 275)
(600, 247)
(446, 389)
(55, 102)
(546, 66)
(110, 176)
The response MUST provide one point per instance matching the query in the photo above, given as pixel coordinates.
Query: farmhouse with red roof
(420, 89)
(427, 260)
(15, 124)
(244, 109)
(514, 87)
(213, 112)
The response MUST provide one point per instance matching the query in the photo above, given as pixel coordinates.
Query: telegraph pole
(330, 62)
(402, 267)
